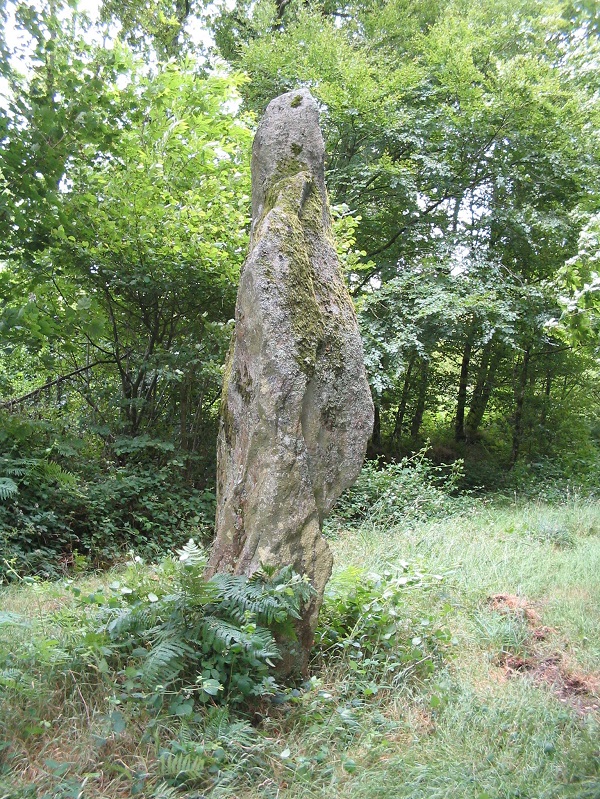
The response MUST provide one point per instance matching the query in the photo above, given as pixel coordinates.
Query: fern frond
(268, 599)
(8, 617)
(8, 488)
(258, 641)
(49, 470)
(241, 598)
(10, 678)
(219, 727)
(136, 620)
(182, 767)
(191, 554)
(263, 645)
(165, 661)
(164, 791)
(197, 590)
(54, 471)
(17, 467)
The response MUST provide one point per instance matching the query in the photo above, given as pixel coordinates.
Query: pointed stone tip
(288, 140)
(293, 99)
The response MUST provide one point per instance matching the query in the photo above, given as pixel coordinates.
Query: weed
(501, 634)
(367, 622)
(388, 494)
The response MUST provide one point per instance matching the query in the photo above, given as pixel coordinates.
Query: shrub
(52, 514)
(190, 641)
(58, 498)
(368, 622)
(414, 488)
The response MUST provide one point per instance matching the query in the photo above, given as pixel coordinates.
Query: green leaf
(118, 722)
(211, 687)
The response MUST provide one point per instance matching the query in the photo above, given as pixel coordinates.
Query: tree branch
(55, 382)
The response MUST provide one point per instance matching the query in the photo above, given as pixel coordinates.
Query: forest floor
(511, 710)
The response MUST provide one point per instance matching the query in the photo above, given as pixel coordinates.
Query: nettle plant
(176, 639)
(413, 488)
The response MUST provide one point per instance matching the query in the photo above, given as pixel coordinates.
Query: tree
(457, 133)
(124, 275)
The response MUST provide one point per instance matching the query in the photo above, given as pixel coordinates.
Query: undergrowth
(456, 656)
(187, 669)
(61, 507)
(413, 489)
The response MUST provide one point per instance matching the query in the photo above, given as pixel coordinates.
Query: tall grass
(508, 711)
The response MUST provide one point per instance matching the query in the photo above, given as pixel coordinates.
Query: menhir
(296, 410)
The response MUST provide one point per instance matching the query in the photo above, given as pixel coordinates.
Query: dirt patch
(511, 604)
(580, 691)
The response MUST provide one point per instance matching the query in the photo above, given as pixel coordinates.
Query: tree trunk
(520, 388)
(461, 400)
(484, 385)
(420, 409)
(375, 445)
(185, 391)
(546, 402)
(397, 434)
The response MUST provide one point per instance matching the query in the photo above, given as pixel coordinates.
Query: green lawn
(510, 710)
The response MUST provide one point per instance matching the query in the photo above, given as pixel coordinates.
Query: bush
(180, 640)
(414, 488)
(554, 481)
(58, 499)
(367, 621)
(52, 514)
(140, 507)
(161, 650)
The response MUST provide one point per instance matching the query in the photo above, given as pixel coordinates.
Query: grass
(510, 713)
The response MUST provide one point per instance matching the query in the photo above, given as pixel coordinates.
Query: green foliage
(437, 121)
(222, 751)
(579, 279)
(163, 645)
(8, 488)
(554, 480)
(364, 622)
(161, 658)
(479, 721)
(202, 640)
(464, 181)
(53, 515)
(415, 488)
(125, 193)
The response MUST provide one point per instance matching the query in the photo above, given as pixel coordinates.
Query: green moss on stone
(296, 101)
(298, 221)
(297, 207)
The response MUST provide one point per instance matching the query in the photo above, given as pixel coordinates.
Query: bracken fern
(207, 638)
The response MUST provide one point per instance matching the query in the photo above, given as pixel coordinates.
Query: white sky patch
(198, 34)
(21, 45)
(460, 260)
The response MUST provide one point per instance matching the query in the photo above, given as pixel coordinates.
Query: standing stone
(296, 410)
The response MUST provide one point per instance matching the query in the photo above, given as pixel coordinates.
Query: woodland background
(463, 143)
